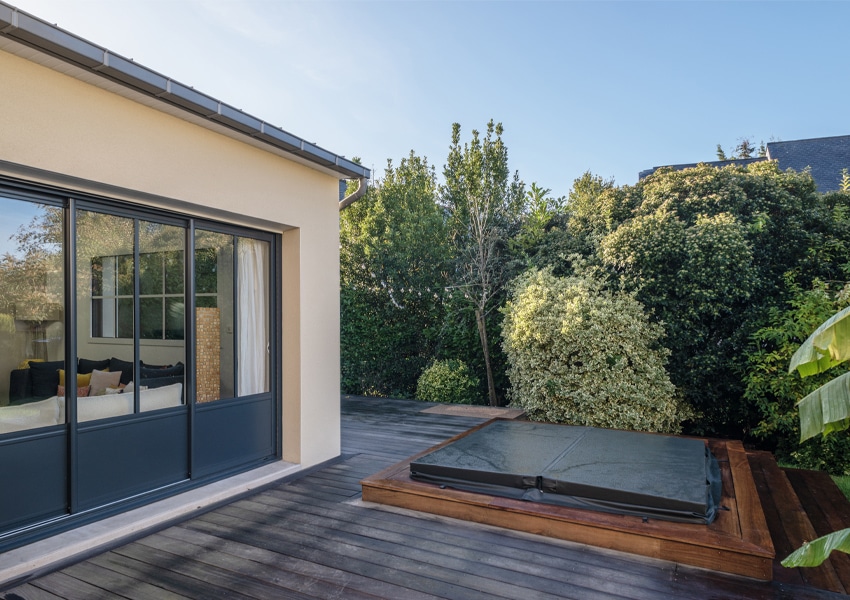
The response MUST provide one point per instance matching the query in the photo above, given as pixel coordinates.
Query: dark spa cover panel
(625, 472)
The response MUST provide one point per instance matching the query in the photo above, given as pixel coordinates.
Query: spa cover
(644, 474)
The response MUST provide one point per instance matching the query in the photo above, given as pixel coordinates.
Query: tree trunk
(482, 333)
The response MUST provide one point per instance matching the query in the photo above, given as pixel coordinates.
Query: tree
(394, 260)
(483, 203)
(595, 207)
(706, 251)
(540, 209)
(744, 149)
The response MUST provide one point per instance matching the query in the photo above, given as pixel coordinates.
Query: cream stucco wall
(67, 128)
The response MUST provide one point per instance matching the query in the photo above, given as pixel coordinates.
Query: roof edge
(50, 39)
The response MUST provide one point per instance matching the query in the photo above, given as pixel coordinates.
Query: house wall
(66, 127)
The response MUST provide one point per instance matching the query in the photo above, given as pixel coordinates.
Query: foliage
(813, 553)
(583, 355)
(483, 204)
(394, 258)
(843, 483)
(744, 149)
(459, 339)
(825, 411)
(447, 381)
(774, 391)
(595, 208)
(705, 250)
(540, 210)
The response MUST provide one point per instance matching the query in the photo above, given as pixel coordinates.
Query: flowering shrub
(582, 355)
(447, 381)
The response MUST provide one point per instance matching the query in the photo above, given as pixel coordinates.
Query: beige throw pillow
(100, 380)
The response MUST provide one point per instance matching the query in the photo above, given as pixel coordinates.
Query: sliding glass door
(139, 346)
(133, 433)
(33, 436)
(232, 299)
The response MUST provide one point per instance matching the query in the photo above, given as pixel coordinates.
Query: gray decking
(313, 538)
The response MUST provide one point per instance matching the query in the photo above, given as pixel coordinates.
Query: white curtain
(253, 317)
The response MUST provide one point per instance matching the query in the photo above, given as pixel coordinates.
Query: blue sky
(607, 87)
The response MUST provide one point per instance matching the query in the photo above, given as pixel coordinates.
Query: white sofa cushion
(29, 416)
(52, 411)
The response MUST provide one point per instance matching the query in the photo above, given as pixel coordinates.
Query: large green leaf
(811, 554)
(827, 409)
(828, 346)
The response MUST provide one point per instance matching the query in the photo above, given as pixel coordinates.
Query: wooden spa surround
(737, 542)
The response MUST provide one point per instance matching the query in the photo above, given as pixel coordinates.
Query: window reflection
(31, 315)
(162, 317)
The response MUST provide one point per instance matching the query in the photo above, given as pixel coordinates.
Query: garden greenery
(447, 381)
(775, 392)
(719, 259)
(582, 355)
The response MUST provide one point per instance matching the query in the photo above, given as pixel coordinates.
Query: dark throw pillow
(85, 365)
(45, 378)
(170, 371)
(126, 368)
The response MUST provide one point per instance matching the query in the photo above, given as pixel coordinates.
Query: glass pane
(105, 343)
(206, 302)
(253, 315)
(97, 276)
(214, 285)
(173, 262)
(125, 272)
(175, 318)
(150, 274)
(32, 304)
(151, 318)
(206, 262)
(124, 318)
(161, 345)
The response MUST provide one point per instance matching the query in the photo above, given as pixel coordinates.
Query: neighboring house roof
(106, 66)
(823, 157)
(712, 163)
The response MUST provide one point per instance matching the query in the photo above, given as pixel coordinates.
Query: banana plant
(824, 411)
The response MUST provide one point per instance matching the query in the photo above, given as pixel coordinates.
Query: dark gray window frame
(70, 201)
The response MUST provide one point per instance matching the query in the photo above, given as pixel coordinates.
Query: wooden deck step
(800, 506)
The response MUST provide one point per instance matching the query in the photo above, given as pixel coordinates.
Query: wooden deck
(737, 542)
(313, 537)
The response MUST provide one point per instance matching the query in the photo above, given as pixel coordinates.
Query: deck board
(748, 551)
(826, 508)
(313, 537)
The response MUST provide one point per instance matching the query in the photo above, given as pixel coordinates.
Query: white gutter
(49, 39)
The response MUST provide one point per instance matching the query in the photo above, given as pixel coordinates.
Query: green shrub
(447, 381)
(581, 355)
(774, 391)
